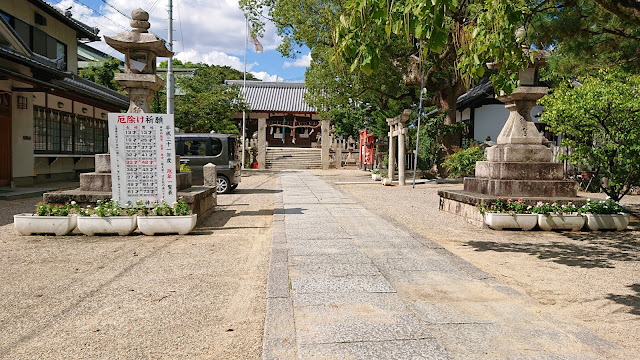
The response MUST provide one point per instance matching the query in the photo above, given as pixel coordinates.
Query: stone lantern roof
(139, 38)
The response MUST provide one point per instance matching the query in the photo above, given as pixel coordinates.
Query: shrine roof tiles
(275, 96)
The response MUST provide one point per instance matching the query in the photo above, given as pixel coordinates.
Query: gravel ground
(138, 297)
(591, 278)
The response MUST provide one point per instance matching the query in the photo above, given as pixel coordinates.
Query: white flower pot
(151, 225)
(499, 221)
(27, 224)
(607, 221)
(573, 222)
(121, 225)
(376, 177)
(386, 181)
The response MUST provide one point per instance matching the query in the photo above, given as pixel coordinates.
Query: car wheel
(222, 185)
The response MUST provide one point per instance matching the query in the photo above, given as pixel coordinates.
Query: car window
(216, 147)
(195, 147)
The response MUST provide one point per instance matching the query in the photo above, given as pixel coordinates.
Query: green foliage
(103, 73)
(47, 209)
(494, 38)
(608, 206)
(500, 206)
(547, 208)
(600, 121)
(585, 38)
(432, 131)
(178, 208)
(463, 161)
(108, 208)
(206, 104)
(185, 168)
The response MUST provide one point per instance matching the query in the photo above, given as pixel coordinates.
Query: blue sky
(209, 31)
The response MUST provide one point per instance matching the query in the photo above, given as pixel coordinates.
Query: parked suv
(198, 150)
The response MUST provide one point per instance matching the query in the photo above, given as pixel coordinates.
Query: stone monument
(141, 83)
(520, 165)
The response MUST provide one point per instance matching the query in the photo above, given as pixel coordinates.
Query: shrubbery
(463, 161)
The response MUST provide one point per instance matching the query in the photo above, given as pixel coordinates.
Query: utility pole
(244, 87)
(170, 83)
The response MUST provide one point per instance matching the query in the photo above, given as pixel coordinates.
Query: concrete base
(102, 181)
(522, 188)
(463, 203)
(201, 199)
(519, 153)
(519, 170)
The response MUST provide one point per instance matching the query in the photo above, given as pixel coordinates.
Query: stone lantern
(140, 49)
(520, 164)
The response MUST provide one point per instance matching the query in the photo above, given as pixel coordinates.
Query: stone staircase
(293, 158)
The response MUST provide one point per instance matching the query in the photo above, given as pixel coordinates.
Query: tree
(333, 88)
(600, 123)
(584, 38)
(103, 73)
(205, 104)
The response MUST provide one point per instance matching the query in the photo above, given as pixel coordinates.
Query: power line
(116, 9)
(152, 5)
(101, 14)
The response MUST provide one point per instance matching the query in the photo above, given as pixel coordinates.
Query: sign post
(142, 158)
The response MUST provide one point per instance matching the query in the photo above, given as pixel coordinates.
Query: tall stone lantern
(140, 49)
(520, 164)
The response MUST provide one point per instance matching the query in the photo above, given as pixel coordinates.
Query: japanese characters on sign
(143, 153)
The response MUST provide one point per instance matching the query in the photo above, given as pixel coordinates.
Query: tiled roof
(63, 81)
(275, 96)
(479, 92)
(93, 90)
(83, 30)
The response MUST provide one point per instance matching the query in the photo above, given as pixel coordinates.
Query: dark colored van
(198, 150)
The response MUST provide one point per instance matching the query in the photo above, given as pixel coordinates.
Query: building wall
(22, 134)
(24, 11)
(489, 120)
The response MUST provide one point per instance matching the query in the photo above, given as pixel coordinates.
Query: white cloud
(264, 76)
(206, 31)
(303, 61)
(214, 58)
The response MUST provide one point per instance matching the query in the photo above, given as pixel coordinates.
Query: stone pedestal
(326, 145)
(520, 164)
(262, 143)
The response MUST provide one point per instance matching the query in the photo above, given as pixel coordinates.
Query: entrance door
(5, 139)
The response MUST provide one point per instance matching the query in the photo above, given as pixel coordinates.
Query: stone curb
(279, 341)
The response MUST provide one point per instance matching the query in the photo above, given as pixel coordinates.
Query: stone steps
(293, 158)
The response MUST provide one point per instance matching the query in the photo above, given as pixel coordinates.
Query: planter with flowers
(375, 175)
(107, 217)
(58, 219)
(605, 215)
(165, 219)
(552, 216)
(508, 214)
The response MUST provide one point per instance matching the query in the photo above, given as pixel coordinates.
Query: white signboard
(142, 148)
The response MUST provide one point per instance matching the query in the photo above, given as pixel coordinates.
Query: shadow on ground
(590, 250)
(256, 191)
(632, 301)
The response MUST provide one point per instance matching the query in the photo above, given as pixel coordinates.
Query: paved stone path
(345, 283)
